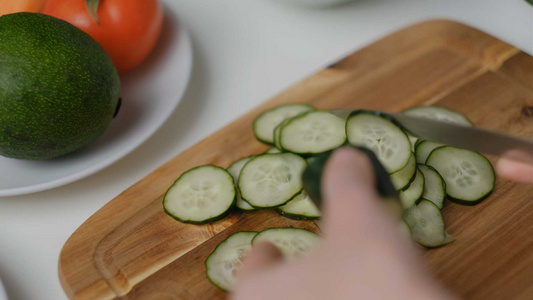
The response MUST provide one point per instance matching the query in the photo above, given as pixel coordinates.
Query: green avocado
(58, 87)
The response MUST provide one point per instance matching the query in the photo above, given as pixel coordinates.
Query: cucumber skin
(205, 262)
(210, 220)
(246, 210)
(266, 207)
(237, 188)
(278, 128)
(440, 107)
(467, 202)
(207, 221)
(406, 187)
(417, 201)
(264, 112)
(378, 114)
(296, 216)
(269, 207)
(416, 148)
(276, 228)
(442, 180)
(381, 115)
(312, 177)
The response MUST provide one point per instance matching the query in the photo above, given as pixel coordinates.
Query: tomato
(127, 29)
(14, 6)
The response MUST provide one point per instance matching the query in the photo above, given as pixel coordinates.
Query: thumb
(516, 166)
(262, 256)
(351, 198)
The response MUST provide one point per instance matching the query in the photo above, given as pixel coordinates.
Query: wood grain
(130, 249)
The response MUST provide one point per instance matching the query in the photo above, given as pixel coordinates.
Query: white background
(246, 51)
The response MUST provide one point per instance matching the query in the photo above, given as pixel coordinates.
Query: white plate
(149, 96)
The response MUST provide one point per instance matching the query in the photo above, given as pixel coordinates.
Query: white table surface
(246, 51)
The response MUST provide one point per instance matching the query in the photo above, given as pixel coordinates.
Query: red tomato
(11, 6)
(127, 29)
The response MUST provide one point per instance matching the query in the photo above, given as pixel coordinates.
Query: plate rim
(185, 38)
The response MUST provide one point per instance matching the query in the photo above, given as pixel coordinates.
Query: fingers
(262, 256)
(349, 189)
(516, 166)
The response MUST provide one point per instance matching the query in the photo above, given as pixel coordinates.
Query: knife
(471, 138)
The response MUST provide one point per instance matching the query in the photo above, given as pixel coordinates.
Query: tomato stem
(92, 7)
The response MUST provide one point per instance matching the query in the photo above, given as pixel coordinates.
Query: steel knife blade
(471, 138)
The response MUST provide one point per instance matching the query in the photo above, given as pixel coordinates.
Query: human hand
(362, 254)
(514, 170)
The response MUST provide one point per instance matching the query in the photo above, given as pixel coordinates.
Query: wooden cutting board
(130, 249)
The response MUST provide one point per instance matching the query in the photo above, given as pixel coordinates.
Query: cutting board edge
(71, 241)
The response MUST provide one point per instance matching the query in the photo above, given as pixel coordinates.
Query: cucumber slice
(293, 242)
(469, 176)
(226, 258)
(300, 208)
(265, 123)
(273, 151)
(410, 196)
(418, 142)
(201, 195)
(378, 133)
(312, 132)
(435, 189)
(235, 170)
(271, 180)
(277, 133)
(423, 149)
(413, 141)
(313, 174)
(403, 178)
(405, 230)
(427, 225)
(438, 113)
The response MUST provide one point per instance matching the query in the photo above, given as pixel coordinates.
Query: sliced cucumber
(469, 176)
(405, 229)
(277, 133)
(438, 113)
(413, 141)
(427, 224)
(273, 151)
(410, 196)
(266, 122)
(201, 195)
(293, 242)
(300, 208)
(435, 189)
(271, 180)
(235, 170)
(226, 258)
(403, 178)
(312, 132)
(379, 134)
(314, 173)
(423, 149)
(418, 142)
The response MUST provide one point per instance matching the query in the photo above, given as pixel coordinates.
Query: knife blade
(471, 138)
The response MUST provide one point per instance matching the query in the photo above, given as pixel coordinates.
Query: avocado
(58, 87)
